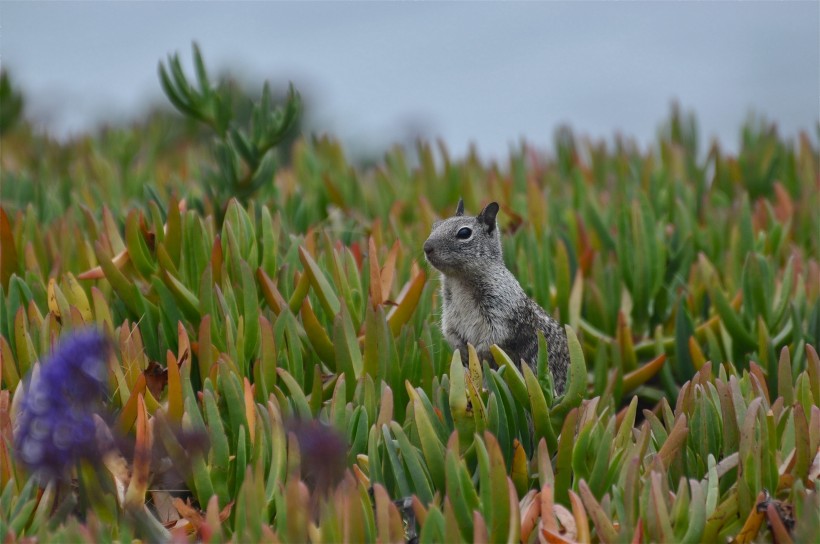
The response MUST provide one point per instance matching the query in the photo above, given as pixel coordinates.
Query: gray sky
(489, 73)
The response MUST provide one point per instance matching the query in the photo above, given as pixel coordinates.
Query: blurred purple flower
(323, 453)
(55, 426)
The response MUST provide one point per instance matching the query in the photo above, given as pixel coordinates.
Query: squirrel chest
(466, 320)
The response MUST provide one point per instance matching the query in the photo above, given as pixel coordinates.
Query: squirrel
(483, 304)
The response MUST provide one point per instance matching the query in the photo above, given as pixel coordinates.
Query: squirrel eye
(464, 233)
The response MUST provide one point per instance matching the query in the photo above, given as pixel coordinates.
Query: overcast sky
(489, 73)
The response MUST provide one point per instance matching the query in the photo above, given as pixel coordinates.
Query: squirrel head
(463, 245)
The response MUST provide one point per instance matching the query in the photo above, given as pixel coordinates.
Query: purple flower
(323, 453)
(55, 426)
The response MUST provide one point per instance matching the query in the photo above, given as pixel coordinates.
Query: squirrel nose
(428, 247)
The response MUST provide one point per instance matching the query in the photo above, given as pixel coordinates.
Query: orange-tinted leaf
(184, 344)
(269, 290)
(8, 257)
(760, 376)
(216, 260)
(530, 510)
(673, 443)
(784, 206)
(96, 273)
(781, 534)
(129, 412)
(580, 515)
(189, 513)
(751, 526)
(519, 472)
(547, 504)
(419, 510)
(8, 367)
(603, 526)
(175, 400)
(407, 302)
(480, 534)
(138, 486)
(643, 374)
(698, 358)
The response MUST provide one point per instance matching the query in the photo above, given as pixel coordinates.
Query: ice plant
(295, 329)
(55, 423)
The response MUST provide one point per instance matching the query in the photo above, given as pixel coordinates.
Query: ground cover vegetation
(212, 328)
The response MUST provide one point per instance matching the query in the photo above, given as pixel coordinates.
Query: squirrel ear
(487, 215)
(460, 208)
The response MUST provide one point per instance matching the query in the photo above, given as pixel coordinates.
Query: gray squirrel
(483, 303)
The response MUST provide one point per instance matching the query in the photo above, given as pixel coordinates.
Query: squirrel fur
(482, 302)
